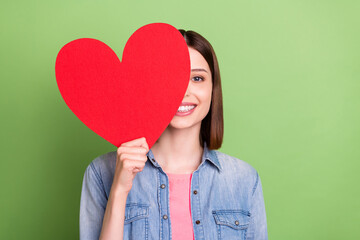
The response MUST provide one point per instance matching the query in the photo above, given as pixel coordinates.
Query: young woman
(181, 188)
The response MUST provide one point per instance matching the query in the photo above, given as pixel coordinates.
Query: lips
(186, 106)
(185, 109)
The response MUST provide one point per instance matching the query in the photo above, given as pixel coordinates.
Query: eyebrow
(198, 70)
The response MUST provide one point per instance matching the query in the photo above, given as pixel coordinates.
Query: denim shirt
(226, 199)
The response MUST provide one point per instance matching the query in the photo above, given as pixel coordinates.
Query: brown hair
(212, 126)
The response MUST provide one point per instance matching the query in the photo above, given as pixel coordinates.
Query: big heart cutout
(134, 98)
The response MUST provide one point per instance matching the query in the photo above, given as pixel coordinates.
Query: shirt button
(195, 192)
(197, 222)
(165, 217)
(162, 186)
(153, 159)
(237, 222)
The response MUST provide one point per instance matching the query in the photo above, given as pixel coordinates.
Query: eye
(198, 78)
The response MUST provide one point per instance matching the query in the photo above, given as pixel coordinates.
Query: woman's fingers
(134, 150)
(132, 156)
(131, 165)
(131, 159)
(137, 142)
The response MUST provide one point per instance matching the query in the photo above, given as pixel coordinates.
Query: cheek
(205, 96)
(204, 91)
(209, 93)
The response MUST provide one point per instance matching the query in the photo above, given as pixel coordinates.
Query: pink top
(180, 211)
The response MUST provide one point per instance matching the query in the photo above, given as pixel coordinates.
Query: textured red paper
(134, 98)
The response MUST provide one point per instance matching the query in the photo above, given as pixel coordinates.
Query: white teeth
(185, 108)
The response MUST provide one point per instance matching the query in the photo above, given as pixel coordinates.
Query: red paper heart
(137, 97)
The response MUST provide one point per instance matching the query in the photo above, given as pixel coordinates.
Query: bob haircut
(212, 126)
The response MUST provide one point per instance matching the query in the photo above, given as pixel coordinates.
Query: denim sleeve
(257, 228)
(92, 204)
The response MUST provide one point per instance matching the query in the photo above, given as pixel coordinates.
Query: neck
(179, 150)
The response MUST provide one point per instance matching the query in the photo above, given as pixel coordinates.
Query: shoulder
(103, 167)
(237, 168)
(104, 162)
(228, 162)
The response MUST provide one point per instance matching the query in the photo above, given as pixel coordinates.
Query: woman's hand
(131, 159)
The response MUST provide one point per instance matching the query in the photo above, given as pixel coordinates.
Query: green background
(290, 77)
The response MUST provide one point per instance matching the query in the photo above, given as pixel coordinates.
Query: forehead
(197, 60)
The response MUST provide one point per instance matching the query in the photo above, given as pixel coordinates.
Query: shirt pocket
(231, 224)
(136, 221)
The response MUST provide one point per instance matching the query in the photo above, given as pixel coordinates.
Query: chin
(181, 124)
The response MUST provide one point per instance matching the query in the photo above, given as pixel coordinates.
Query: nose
(188, 89)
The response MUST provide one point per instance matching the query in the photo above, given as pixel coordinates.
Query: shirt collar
(208, 154)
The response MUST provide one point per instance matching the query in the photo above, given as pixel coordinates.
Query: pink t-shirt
(180, 211)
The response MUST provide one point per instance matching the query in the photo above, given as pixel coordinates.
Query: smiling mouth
(186, 108)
